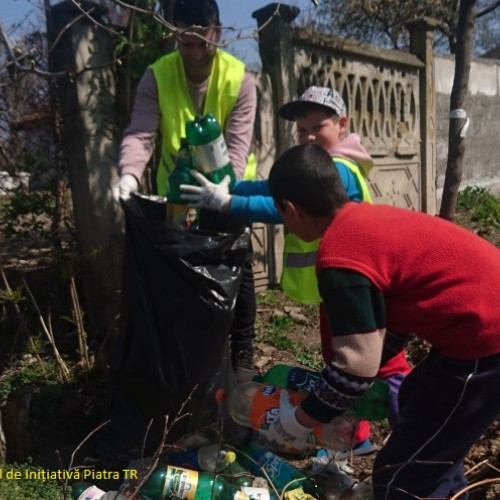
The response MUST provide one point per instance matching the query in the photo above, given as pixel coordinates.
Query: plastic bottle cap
(230, 457)
(220, 395)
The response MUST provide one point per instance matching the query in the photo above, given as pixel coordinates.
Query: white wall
(482, 146)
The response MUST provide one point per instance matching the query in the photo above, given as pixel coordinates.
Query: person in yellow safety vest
(320, 117)
(197, 78)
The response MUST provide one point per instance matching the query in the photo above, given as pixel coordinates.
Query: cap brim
(291, 110)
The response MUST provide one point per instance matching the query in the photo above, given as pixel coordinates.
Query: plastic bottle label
(256, 493)
(266, 406)
(212, 156)
(181, 215)
(265, 410)
(302, 380)
(92, 493)
(180, 483)
(277, 468)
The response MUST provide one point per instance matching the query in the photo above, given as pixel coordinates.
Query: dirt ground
(74, 414)
(483, 461)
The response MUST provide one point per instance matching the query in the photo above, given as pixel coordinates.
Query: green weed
(275, 334)
(29, 373)
(311, 358)
(23, 488)
(25, 213)
(480, 206)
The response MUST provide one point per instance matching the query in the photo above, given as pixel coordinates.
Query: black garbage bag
(172, 354)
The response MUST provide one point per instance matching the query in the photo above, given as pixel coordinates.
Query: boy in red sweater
(320, 116)
(381, 267)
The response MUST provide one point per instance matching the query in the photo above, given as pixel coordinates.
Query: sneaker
(243, 365)
(363, 448)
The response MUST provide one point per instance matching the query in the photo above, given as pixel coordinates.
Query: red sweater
(397, 364)
(439, 280)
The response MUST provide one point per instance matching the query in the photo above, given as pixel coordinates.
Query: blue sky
(234, 13)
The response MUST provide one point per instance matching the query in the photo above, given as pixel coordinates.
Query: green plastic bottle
(290, 377)
(206, 458)
(234, 473)
(171, 482)
(211, 156)
(180, 174)
(177, 210)
(372, 405)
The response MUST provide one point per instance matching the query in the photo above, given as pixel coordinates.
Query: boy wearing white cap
(321, 119)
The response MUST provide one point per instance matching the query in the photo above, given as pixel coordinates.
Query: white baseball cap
(320, 96)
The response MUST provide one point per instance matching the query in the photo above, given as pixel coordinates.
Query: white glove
(286, 431)
(126, 185)
(207, 194)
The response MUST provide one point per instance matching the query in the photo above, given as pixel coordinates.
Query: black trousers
(445, 405)
(242, 332)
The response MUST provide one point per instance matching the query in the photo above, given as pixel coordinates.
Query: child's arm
(251, 201)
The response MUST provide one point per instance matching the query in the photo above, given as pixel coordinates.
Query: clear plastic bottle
(359, 491)
(372, 405)
(211, 156)
(281, 473)
(337, 482)
(207, 458)
(86, 491)
(169, 481)
(113, 495)
(257, 406)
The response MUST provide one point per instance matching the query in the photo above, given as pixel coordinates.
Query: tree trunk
(458, 117)
(90, 146)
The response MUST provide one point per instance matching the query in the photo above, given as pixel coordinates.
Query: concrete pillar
(421, 41)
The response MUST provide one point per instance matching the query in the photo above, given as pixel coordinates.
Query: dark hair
(196, 12)
(306, 175)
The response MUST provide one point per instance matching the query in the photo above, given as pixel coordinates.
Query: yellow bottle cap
(230, 457)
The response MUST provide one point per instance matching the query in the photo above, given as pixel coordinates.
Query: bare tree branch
(488, 9)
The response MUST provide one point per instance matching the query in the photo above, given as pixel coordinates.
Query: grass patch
(275, 332)
(14, 484)
(27, 373)
(480, 206)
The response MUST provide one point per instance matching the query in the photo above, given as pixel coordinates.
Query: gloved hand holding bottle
(286, 430)
(282, 422)
(207, 194)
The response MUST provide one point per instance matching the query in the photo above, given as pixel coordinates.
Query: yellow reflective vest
(176, 105)
(298, 279)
